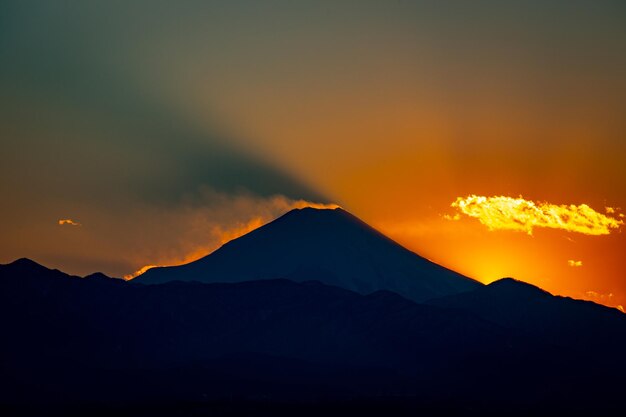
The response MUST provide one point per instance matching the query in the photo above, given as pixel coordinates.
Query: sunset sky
(148, 133)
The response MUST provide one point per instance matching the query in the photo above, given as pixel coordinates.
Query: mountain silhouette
(98, 276)
(328, 245)
(575, 325)
(71, 344)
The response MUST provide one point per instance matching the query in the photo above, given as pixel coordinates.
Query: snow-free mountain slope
(328, 245)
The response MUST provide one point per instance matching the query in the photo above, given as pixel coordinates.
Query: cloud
(574, 263)
(138, 272)
(508, 213)
(68, 222)
(610, 299)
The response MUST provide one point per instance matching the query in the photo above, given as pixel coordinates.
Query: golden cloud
(298, 204)
(574, 263)
(138, 272)
(68, 222)
(508, 213)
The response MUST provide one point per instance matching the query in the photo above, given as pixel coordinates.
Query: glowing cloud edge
(68, 222)
(237, 231)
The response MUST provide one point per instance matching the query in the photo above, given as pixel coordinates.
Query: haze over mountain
(328, 245)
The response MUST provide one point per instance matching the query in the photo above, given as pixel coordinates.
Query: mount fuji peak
(327, 245)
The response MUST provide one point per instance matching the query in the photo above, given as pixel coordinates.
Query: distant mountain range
(268, 341)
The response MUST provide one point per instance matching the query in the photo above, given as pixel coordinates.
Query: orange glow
(541, 259)
(228, 235)
(509, 213)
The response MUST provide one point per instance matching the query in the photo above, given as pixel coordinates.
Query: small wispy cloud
(574, 263)
(68, 222)
(508, 213)
(607, 299)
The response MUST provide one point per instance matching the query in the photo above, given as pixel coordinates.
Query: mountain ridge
(193, 343)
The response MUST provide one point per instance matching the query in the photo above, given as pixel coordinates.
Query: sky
(487, 136)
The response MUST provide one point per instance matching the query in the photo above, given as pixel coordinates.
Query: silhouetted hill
(331, 246)
(98, 275)
(561, 321)
(25, 267)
